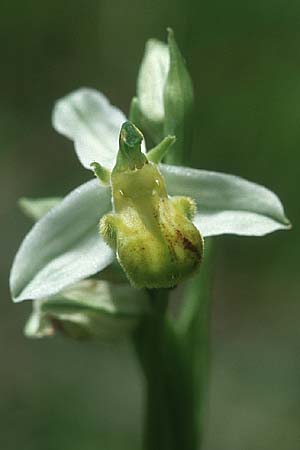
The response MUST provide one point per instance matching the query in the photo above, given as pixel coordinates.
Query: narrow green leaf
(227, 204)
(64, 246)
(36, 208)
(86, 117)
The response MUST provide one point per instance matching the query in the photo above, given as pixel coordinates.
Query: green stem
(193, 328)
(168, 418)
(149, 343)
(174, 358)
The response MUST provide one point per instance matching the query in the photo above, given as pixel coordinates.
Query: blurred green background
(245, 62)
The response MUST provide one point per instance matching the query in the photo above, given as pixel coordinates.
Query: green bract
(164, 102)
(64, 246)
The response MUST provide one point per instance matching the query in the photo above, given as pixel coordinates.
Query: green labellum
(155, 241)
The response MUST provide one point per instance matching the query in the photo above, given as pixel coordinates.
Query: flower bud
(155, 241)
(88, 309)
(165, 97)
(178, 103)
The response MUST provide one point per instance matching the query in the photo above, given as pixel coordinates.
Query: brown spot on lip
(187, 244)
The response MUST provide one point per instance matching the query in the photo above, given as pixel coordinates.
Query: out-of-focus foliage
(243, 58)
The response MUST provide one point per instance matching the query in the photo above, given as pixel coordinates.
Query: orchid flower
(64, 246)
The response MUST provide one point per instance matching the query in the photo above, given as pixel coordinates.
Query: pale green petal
(151, 81)
(64, 246)
(227, 204)
(87, 117)
(36, 208)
